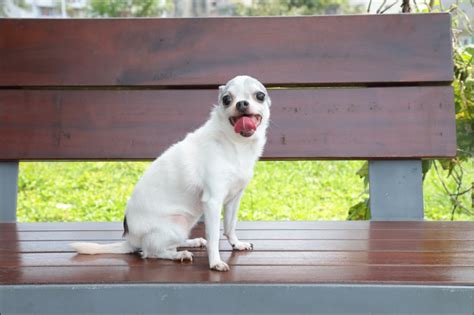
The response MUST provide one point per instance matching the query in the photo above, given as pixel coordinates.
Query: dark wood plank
(251, 258)
(356, 123)
(415, 235)
(254, 225)
(367, 49)
(200, 273)
(451, 246)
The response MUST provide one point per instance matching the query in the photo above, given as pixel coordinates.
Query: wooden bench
(343, 87)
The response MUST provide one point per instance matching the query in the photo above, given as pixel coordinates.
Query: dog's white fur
(206, 171)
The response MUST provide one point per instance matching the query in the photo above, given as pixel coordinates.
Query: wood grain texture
(254, 258)
(339, 123)
(297, 234)
(289, 246)
(323, 50)
(200, 273)
(253, 225)
(378, 256)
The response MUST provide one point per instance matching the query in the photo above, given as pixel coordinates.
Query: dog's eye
(260, 96)
(226, 100)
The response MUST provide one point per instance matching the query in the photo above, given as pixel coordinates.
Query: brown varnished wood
(362, 49)
(341, 234)
(254, 258)
(418, 260)
(253, 225)
(280, 245)
(200, 273)
(340, 123)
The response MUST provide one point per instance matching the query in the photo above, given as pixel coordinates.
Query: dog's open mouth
(245, 125)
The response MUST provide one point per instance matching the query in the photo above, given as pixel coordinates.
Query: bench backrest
(343, 87)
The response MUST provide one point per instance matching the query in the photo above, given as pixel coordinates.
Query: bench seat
(414, 260)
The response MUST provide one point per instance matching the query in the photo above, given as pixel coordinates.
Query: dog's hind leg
(173, 254)
(163, 244)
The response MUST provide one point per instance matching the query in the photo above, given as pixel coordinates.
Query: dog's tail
(94, 248)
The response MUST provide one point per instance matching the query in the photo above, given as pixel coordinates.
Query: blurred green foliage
(297, 7)
(464, 100)
(128, 8)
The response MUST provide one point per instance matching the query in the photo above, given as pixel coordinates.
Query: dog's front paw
(220, 266)
(242, 246)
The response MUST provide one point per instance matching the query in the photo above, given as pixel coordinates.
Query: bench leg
(396, 190)
(8, 190)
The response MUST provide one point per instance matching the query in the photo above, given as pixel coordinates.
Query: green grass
(304, 190)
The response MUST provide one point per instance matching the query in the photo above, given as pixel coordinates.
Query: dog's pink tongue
(244, 124)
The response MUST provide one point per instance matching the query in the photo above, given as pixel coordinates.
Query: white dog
(206, 171)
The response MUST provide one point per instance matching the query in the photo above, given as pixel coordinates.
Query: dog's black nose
(242, 106)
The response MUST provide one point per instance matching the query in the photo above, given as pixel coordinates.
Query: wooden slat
(254, 225)
(363, 49)
(416, 235)
(340, 123)
(451, 246)
(200, 273)
(253, 258)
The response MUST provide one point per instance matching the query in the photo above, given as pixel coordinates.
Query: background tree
(297, 7)
(129, 8)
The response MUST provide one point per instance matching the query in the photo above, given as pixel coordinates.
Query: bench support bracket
(396, 190)
(8, 190)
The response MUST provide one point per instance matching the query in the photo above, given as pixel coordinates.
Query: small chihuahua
(206, 171)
